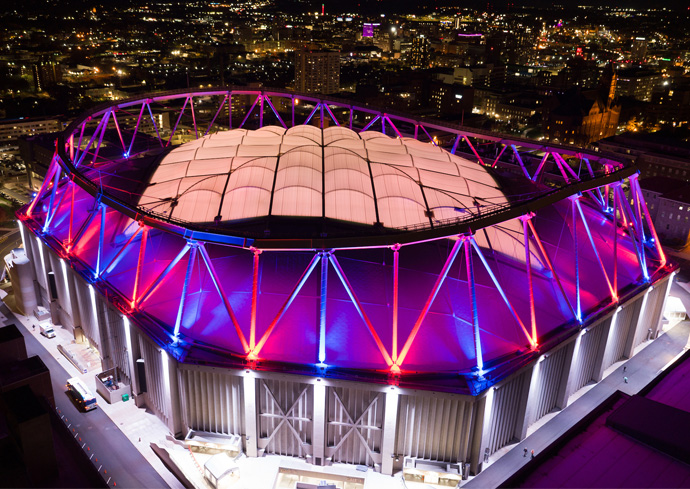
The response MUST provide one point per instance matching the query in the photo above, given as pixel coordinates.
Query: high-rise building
(639, 49)
(46, 74)
(419, 54)
(317, 71)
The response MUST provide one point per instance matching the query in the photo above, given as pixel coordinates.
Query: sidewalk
(138, 425)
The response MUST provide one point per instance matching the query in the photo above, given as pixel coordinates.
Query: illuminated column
(390, 422)
(249, 386)
(322, 312)
(483, 416)
(255, 293)
(130, 354)
(172, 395)
(318, 441)
(473, 301)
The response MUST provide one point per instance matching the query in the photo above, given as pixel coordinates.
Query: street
(119, 462)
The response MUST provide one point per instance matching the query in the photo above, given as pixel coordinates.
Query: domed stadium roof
(335, 173)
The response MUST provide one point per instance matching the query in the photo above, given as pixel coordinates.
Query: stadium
(312, 278)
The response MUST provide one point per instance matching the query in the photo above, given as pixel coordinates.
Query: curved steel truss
(386, 302)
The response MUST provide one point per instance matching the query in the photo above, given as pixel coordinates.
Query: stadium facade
(326, 281)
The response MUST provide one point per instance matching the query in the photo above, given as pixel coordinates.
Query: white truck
(47, 329)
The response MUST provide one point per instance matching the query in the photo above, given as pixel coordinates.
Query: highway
(119, 462)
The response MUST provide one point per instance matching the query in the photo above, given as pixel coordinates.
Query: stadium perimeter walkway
(641, 370)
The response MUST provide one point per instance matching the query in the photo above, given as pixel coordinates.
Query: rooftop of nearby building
(661, 184)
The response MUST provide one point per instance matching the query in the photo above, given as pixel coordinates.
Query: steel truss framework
(178, 276)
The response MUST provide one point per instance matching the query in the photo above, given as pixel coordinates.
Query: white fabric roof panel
(213, 166)
(333, 173)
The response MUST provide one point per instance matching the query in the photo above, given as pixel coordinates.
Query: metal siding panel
(279, 438)
(347, 406)
(504, 418)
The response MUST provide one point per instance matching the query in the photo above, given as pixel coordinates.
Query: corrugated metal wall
(549, 379)
(155, 379)
(354, 425)
(651, 314)
(626, 320)
(211, 400)
(434, 428)
(505, 412)
(586, 356)
(285, 417)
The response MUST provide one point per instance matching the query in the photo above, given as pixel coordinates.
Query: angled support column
(371, 123)
(116, 258)
(528, 266)
(578, 309)
(539, 168)
(101, 236)
(255, 297)
(253, 354)
(396, 266)
(179, 117)
(250, 111)
(136, 129)
(193, 245)
(119, 133)
(316, 107)
(140, 265)
(106, 119)
(500, 291)
(473, 301)
(261, 111)
(77, 151)
(322, 310)
(635, 184)
(155, 126)
(219, 288)
(52, 169)
(455, 144)
(156, 283)
(629, 220)
(275, 112)
(437, 286)
(222, 104)
(520, 162)
(469, 143)
(614, 296)
(493, 165)
(360, 310)
(52, 207)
